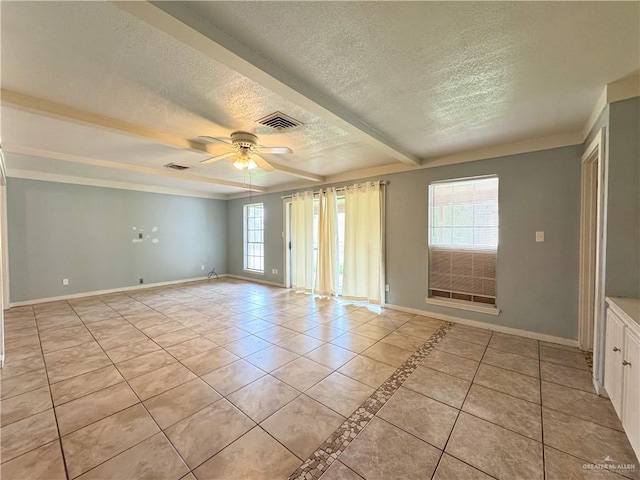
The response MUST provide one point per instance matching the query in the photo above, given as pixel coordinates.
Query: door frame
(593, 235)
(4, 254)
(286, 235)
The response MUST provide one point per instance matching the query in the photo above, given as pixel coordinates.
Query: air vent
(173, 166)
(279, 121)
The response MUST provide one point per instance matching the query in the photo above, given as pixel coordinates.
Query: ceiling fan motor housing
(245, 141)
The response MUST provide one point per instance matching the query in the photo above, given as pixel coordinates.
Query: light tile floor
(226, 379)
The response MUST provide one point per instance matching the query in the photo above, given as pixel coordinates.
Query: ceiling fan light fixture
(244, 162)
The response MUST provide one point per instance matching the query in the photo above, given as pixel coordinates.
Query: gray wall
(623, 215)
(537, 282)
(85, 234)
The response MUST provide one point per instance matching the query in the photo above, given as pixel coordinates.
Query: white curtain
(327, 267)
(302, 241)
(363, 242)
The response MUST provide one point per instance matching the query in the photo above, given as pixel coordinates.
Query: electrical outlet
(141, 281)
(539, 236)
(65, 281)
(201, 267)
(386, 287)
(274, 271)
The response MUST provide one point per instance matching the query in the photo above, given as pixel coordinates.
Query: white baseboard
(599, 388)
(488, 326)
(111, 290)
(255, 280)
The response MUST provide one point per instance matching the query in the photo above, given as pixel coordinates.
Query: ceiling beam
(95, 162)
(297, 173)
(65, 112)
(176, 20)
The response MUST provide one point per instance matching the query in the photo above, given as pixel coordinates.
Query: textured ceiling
(96, 57)
(434, 77)
(441, 77)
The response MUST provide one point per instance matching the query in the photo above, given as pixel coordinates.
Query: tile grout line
(544, 465)
(235, 325)
(144, 406)
(520, 373)
(140, 402)
(471, 382)
(53, 408)
(338, 441)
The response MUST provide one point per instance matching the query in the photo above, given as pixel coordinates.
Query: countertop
(629, 306)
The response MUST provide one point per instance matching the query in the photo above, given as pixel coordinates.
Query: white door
(613, 373)
(631, 394)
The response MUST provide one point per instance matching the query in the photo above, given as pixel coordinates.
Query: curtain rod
(339, 189)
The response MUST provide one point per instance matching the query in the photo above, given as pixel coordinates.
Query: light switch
(539, 236)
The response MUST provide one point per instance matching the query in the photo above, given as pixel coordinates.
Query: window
(463, 239)
(254, 237)
(340, 232)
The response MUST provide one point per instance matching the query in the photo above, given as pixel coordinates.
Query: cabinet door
(631, 393)
(613, 360)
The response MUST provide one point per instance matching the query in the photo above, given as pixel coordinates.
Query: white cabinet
(622, 364)
(613, 360)
(631, 389)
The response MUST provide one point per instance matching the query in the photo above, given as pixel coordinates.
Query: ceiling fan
(245, 149)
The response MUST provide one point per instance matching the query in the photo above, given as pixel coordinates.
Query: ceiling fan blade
(206, 138)
(262, 163)
(275, 150)
(218, 158)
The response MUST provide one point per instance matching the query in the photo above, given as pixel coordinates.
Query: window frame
(469, 305)
(245, 240)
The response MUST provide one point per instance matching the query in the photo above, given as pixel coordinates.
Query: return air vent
(173, 166)
(279, 121)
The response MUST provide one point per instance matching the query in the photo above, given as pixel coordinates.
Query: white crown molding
(97, 162)
(48, 108)
(94, 182)
(627, 87)
(485, 153)
(3, 169)
(622, 89)
(515, 148)
(600, 105)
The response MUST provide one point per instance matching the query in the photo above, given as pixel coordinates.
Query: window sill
(254, 272)
(462, 305)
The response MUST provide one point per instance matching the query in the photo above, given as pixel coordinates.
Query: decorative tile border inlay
(328, 452)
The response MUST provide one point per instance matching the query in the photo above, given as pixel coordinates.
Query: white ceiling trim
(627, 87)
(528, 146)
(3, 170)
(94, 182)
(600, 105)
(179, 22)
(298, 173)
(622, 89)
(66, 157)
(65, 112)
(534, 145)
